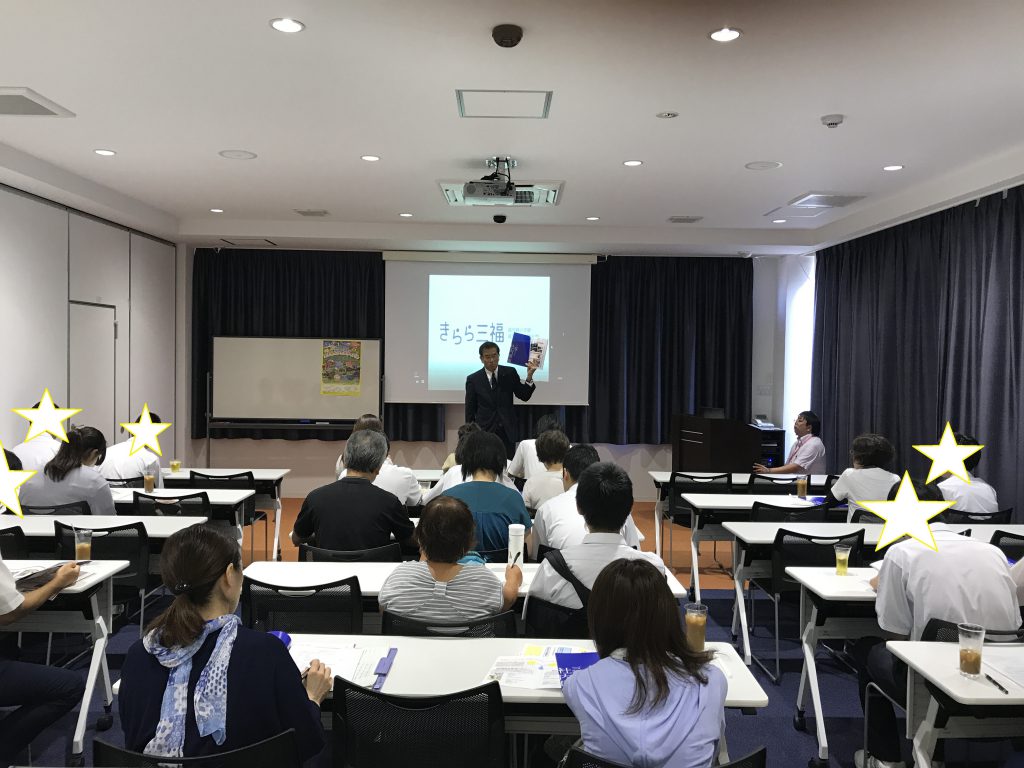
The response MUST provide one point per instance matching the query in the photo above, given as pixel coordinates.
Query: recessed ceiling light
(237, 154)
(725, 35)
(633, 163)
(763, 165)
(667, 115)
(216, 210)
(369, 158)
(593, 218)
(778, 221)
(105, 152)
(405, 215)
(893, 168)
(287, 25)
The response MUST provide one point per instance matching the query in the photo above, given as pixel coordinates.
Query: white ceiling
(934, 85)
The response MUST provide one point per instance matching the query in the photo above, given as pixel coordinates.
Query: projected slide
(466, 310)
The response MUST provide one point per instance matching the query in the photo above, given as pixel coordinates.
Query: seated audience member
(551, 447)
(869, 479)
(558, 523)
(494, 506)
(41, 694)
(37, 452)
(199, 682)
(976, 496)
(525, 463)
(604, 497)
(121, 464)
(453, 458)
(1017, 574)
(352, 513)
(966, 580)
(453, 475)
(437, 588)
(73, 475)
(400, 481)
(650, 700)
(807, 456)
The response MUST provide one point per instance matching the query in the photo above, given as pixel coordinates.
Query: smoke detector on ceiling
(832, 121)
(312, 212)
(684, 219)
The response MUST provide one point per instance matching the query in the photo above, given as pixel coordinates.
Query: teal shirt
(494, 507)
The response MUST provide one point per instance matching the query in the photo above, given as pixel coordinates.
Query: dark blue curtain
(921, 324)
(293, 293)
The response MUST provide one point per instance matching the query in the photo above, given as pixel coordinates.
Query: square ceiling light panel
(26, 102)
(504, 104)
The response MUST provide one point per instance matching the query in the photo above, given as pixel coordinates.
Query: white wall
(34, 298)
(796, 309)
(50, 256)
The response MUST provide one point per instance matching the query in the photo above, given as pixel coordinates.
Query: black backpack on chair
(546, 619)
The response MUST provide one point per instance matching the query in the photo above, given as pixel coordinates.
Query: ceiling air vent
(824, 200)
(312, 212)
(249, 242)
(535, 194)
(684, 219)
(26, 102)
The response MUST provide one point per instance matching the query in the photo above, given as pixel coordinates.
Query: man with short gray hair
(352, 513)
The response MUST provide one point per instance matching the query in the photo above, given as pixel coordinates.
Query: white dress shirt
(559, 524)
(400, 482)
(967, 580)
(586, 561)
(867, 484)
(525, 463)
(10, 598)
(976, 496)
(80, 484)
(453, 477)
(809, 453)
(37, 452)
(119, 465)
(540, 488)
(1017, 574)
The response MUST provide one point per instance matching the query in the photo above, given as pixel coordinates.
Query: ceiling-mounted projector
(485, 192)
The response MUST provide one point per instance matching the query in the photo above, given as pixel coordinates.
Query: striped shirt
(412, 591)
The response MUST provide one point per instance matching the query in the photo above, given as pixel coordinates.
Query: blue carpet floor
(771, 727)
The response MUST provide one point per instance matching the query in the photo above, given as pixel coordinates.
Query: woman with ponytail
(73, 475)
(199, 683)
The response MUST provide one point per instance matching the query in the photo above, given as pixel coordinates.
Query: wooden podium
(722, 445)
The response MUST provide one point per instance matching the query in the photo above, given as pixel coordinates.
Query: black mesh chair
(577, 758)
(389, 553)
(866, 517)
(830, 480)
(798, 549)
(13, 545)
(494, 555)
(499, 625)
(770, 513)
(70, 508)
(959, 517)
(771, 484)
(127, 482)
(123, 542)
(756, 759)
(335, 608)
(235, 482)
(1012, 544)
(279, 751)
(186, 505)
(679, 512)
(458, 730)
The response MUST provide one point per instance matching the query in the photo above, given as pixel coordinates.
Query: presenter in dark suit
(489, 394)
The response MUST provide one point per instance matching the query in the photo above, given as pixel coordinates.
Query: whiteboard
(280, 378)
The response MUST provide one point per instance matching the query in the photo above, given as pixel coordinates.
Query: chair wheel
(817, 762)
(76, 760)
(799, 723)
(103, 722)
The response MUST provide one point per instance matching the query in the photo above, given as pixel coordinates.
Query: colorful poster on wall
(341, 368)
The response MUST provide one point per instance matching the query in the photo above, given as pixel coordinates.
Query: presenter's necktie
(493, 379)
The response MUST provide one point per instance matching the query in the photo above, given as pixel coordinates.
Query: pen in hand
(996, 683)
(516, 558)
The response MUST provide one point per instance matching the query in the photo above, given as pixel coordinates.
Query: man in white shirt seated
(120, 465)
(977, 496)
(807, 456)
(551, 448)
(525, 463)
(869, 479)
(558, 523)
(966, 581)
(604, 497)
(399, 481)
(37, 452)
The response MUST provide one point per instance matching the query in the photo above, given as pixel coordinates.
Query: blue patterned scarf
(211, 696)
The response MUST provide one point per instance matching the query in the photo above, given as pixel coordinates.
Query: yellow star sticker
(948, 456)
(145, 432)
(46, 418)
(906, 515)
(10, 479)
